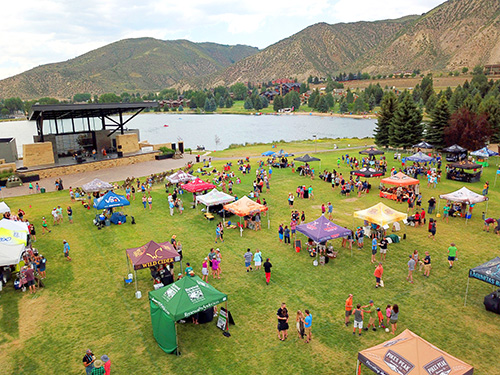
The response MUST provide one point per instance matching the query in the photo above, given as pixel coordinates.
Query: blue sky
(37, 32)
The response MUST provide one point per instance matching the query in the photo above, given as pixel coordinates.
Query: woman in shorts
(394, 318)
(204, 270)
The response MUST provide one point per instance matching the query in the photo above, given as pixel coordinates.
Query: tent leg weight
(226, 333)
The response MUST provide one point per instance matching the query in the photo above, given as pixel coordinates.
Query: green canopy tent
(176, 301)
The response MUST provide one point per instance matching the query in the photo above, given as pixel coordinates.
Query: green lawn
(85, 303)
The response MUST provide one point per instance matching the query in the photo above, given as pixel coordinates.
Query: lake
(219, 131)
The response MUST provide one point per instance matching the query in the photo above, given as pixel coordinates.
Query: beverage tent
(399, 179)
(180, 176)
(96, 185)
(367, 172)
(214, 198)
(466, 196)
(197, 185)
(180, 300)
(488, 272)
(13, 239)
(110, 200)
(245, 207)
(322, 229)
(151, 254)
(457, 171)
(380, 214)
(410, 354)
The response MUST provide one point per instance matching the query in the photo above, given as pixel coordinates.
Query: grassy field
(86, 305)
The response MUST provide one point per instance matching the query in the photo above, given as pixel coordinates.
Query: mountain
(133, 65)
(458, 33)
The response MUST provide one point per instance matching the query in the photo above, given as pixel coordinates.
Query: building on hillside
(492, 69)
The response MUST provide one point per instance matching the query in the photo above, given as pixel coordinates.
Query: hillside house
(492, 69)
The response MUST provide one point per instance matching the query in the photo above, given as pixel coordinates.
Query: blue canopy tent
(420, 157)
(110, 200)
(484, 152)
(269, 153)
(488, 272)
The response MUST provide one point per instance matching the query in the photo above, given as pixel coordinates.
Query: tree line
(468, 116)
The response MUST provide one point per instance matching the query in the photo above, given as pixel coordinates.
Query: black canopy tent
(306, 158)
(456, 171)
(488, 272)
(371, 151)
(423, 144)
(367, 172)
(455, 153)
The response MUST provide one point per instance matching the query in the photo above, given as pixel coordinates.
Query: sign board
(223, 319)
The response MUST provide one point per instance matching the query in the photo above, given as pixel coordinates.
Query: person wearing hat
(107, 364)
(98, 368)
(370, 309)
(88, 361)
(66, 250)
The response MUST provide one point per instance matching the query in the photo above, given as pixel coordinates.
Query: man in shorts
(452, 254)
(372, 311)
(66, 250)
(374, 247)
(358, 319)
(383, 248)
(348, 309)
(378, 274)
(248, 260)
(427, 264)
(411, 268)
(307, 325)
(487, 223)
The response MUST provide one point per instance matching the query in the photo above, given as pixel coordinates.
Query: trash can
(107, 223)
(42, 190)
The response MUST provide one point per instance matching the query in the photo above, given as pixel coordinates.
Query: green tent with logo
(176, 301)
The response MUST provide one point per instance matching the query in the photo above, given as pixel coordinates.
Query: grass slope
(85, 303)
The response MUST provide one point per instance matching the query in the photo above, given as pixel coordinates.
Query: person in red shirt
(378, 274)
(380, 318)
(348, 309)
(422, 216)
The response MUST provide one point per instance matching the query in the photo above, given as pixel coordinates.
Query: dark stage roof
(68, 111)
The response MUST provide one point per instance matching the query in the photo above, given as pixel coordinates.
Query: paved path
(136, 170)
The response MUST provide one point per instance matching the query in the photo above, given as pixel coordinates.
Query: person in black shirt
(282, 322)
(383, 248)
(267, 270)
(88, 361)
(427, 264)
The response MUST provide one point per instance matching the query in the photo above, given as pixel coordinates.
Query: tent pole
(128, 262)
(136, 288)
(466, 291)
(177, 353)
(352, 234)
(439, 202)
(241, 228)
(357, 367)
(227, 318)
(496, 176)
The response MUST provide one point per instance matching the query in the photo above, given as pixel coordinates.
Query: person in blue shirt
(66, 250)
(307, 326)
(374, 248)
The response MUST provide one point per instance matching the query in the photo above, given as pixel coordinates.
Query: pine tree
(278, 103)
(440, 120)
(248, 103)
(344, 107)
(222, 103)
(491, 107)
(322, 104)
(407, 124)
(229, 102)
(388, 106)
(431, 103)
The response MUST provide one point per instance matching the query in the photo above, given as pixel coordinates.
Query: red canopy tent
(151, 254)
(197, 186)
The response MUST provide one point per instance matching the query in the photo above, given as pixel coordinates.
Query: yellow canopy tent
(380, 214)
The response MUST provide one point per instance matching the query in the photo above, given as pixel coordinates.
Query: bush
(166, 150)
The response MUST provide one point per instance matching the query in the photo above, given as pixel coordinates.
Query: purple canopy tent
(322, 230)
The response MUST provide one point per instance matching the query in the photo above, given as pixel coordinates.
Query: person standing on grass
(330, 211)
(388, 311)
(215, 267)
(379, 271)
(300, 324)
(150, 202)
(446, 213)
(348, 309)
(374, 247)
(217, 234)
(69, 211)
(204, 270)
(267, 270)
(358, 319)
(88, 361)
(281, 233)
(30, 278)
(290, 199)
(282, 322)
(323, 209)
(32, 230)
(372, 311)
(107, 364)
(308, 325)
(452, 254)
(411, 268)
(394, 318)
(248, 260)
(427, 264)
(287, 234)
(432, 205)
(98, 368)
(145, 201)
(66, 250)
(257, 258)
(432, 228)
(383, 248)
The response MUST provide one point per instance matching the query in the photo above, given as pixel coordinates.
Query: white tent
(13, 232)
(214, 197)
(180, 176)
(4, 208)
(466, 196)
(10, 254)
(97, 185)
